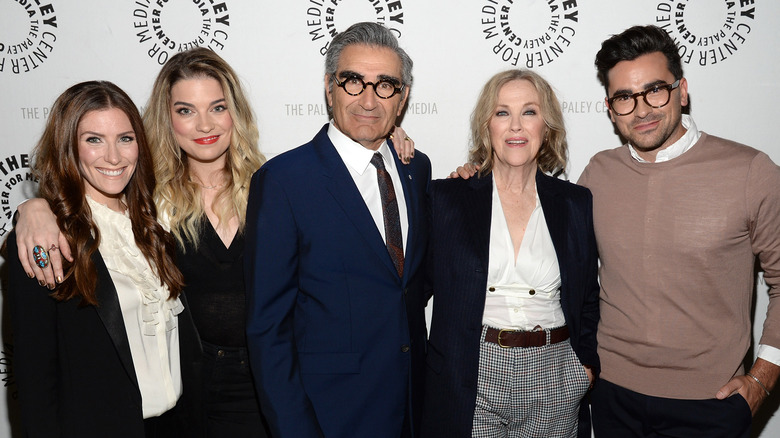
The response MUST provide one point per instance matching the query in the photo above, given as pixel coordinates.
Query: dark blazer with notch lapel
(336, 338)
(73, 365)
(458, 269)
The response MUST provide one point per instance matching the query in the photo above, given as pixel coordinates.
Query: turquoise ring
(40, 256)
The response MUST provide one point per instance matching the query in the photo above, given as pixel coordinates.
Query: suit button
(220, 353)
(531, 292)
(492, 289)
(404, 348)
(406, 290)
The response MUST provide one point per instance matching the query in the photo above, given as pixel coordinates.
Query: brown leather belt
(520, 338)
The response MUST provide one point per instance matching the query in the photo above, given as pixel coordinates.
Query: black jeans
(230, 401)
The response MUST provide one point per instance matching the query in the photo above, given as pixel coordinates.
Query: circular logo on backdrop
(325, 18)
(529, 34)
(166, 27)
(28, 34)
(707, 33)
(17, 183)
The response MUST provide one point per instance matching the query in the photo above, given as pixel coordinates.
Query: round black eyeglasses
(384, 88)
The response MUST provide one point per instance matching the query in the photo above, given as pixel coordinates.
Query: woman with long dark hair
(111, 350)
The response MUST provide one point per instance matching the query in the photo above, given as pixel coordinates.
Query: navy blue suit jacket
(336, 338)
(458, 252)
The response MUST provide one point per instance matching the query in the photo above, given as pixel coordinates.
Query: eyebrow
(351, 74)
(100, 134)
(524, 104)
(647, 87)
(193, 106)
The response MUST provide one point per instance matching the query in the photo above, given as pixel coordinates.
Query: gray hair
(369, 34)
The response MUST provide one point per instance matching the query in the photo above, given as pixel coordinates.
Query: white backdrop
(730, 50)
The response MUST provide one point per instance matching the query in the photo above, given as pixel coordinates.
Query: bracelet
(759, 383)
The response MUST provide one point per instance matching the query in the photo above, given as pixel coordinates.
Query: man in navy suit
(336, 324)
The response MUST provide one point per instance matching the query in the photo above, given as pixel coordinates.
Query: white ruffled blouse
(150, 317)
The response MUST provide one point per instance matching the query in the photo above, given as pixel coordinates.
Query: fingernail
(50, 286)
(42, 283)
(31, 275)
(59, 279)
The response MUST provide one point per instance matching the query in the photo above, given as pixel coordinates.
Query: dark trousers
(230, 400)
(621, 413)
(164, 426)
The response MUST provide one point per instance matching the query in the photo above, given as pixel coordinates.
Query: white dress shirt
(522, 293)
(358, 161)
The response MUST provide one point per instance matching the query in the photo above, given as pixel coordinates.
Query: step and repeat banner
(729, 48)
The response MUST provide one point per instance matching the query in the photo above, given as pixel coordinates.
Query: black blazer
(458, 266)
(73, 365)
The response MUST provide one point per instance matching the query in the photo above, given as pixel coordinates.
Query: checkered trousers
(532, 392)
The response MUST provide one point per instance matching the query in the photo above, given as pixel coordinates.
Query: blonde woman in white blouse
(110, 350)
(513, 258)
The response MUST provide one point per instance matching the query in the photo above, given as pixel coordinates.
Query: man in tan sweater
(680, 217)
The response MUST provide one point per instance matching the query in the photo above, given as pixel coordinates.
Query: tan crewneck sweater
(677, 242)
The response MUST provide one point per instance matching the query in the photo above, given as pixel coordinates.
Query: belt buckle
(499, 338)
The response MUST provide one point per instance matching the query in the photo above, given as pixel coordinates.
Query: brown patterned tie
(390, 213)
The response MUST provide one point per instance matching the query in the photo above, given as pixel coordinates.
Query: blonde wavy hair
(178, 197)
(552, 155)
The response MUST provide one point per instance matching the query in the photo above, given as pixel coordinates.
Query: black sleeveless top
(214, 285)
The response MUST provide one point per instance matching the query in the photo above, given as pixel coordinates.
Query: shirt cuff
(769, 353)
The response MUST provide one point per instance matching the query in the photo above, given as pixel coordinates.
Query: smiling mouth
(207, 140)
(108, 172)
(363, 114)
(646, 125)
(516, 142)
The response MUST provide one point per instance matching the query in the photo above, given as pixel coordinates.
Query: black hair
(633, 43)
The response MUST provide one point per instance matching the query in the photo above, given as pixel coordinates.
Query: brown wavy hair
(61, 183)
(552, 155)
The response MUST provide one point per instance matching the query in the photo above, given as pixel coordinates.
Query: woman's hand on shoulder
(465, 171)
(37, 226)
(403, 145)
